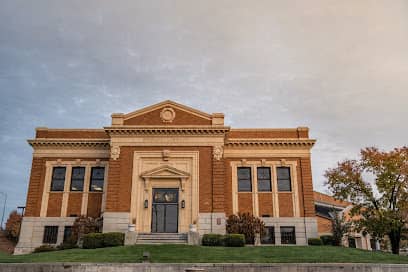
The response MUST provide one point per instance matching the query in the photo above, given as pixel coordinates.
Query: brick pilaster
(218, 177)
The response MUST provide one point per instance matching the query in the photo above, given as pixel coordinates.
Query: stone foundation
(305, 227)
(32, 232)
(211, 223)
(115, 222)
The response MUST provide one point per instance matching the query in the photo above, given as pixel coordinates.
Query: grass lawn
(199, 254)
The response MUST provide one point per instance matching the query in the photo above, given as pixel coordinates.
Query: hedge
(327, 240)
(212, 239)
(314, 242)
(109, 239)
(44, 248)
(234, 240)
(93, 240)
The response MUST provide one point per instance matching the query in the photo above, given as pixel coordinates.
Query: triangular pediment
(167, 113)
(165, 171)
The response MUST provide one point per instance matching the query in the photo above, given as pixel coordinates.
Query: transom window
(264, 179)
(58, 179)
(244, 179)
(50, 234)
(288, 235)
(268, 236)
(284, 179)
(97, 179)
(77, 178)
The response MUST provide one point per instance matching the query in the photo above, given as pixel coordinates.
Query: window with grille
(284, 179)
(268, 236)
(67, 233)
(77, 178)
(97, 179)
(58, 179)
(264, 179)
(50, 234)
(244, 179)
(288, 235)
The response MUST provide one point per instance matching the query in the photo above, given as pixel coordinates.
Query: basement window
(67, 233)
(288, 236)
(50, 234)
(268, 236)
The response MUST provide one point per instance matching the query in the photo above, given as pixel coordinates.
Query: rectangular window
(373, 244)
(77, 179)
(97, 179)
(264, 179)
(352, 242)
(288, 235)
(67, 233)
(244, 179)
(284, 180)
(58, 179)
(50, 234)
(269, 236)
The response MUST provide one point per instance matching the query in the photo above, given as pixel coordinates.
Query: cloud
(338, 67)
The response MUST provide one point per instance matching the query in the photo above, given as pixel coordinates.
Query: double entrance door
(165, 210)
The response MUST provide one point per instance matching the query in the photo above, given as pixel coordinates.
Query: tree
(13, 225)
(340, 227)
(380, 207)
(246, 224)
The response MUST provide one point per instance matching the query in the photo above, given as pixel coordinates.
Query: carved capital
(115, 152)
(218, 152)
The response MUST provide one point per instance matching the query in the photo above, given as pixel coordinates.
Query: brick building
(165, 168)
(326, 208)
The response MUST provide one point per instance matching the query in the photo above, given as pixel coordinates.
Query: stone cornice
(270, 142)
(166, 130)
(70, 143)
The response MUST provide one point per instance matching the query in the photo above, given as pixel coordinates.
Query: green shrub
(314, 242)
(44, 248)
(111, 239)
(234, 240)
(212, 239)
(93, 240)
(327, 240)
(67, 245)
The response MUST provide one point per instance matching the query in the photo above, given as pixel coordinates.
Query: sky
(338, 67)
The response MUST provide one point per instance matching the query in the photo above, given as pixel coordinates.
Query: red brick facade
(171, 128)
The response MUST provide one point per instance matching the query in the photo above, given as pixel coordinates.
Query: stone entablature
(170, 146)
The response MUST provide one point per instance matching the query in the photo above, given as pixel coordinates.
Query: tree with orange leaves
(381, 203)
(13, 226)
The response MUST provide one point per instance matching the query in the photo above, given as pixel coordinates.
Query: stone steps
(161, 238)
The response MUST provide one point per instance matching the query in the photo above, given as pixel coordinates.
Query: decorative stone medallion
(167, 115)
